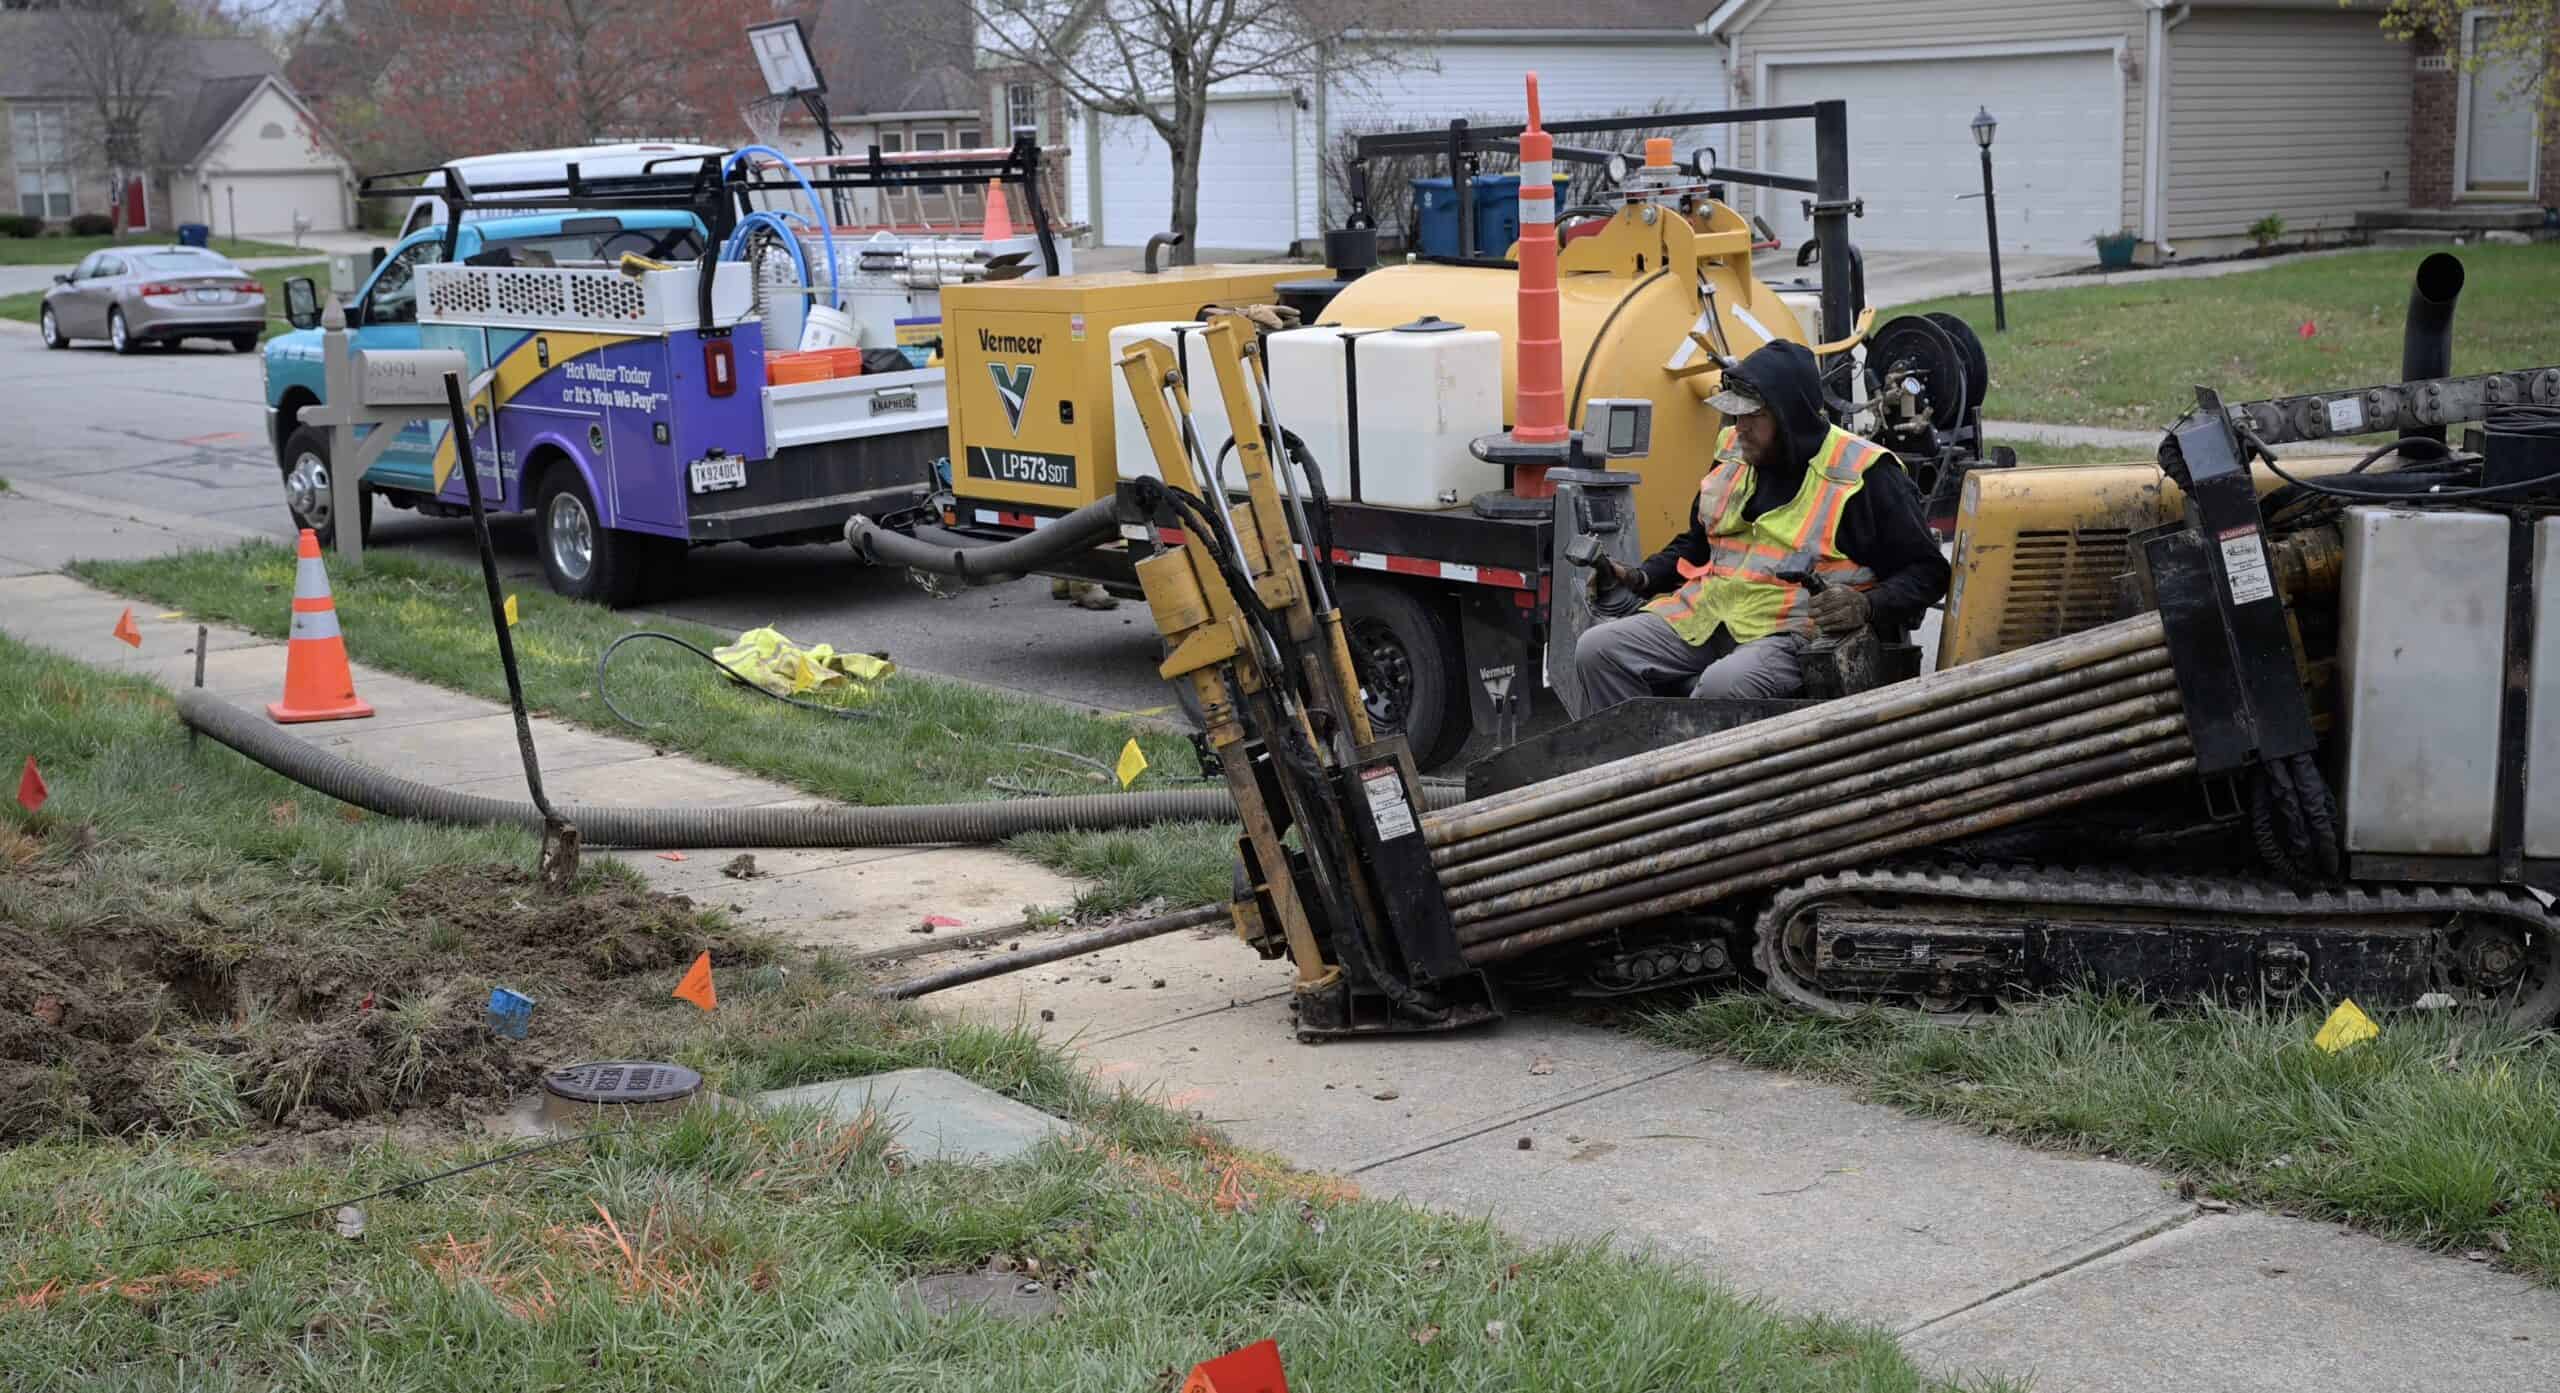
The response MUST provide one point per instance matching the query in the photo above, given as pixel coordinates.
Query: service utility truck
(652, 369)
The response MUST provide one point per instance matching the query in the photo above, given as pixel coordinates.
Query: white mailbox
(407, 376)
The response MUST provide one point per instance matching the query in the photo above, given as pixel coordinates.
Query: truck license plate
(713, 475)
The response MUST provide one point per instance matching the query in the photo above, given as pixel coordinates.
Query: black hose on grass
(675, 828)
(664, 828)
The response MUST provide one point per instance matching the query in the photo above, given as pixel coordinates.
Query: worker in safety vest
(1786, 486)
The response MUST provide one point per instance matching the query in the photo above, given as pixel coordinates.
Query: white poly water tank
(1136, 459)
(1422, 392)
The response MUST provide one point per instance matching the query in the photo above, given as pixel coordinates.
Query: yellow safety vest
(1738, 589)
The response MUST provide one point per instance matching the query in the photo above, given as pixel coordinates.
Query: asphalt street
(185, 433)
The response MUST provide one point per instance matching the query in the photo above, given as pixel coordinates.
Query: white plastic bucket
(826, 327)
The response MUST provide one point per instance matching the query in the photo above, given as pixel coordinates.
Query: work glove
(1270, 319)
(1840, 610)
(1608, 571)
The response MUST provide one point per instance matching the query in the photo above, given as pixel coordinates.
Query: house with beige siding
(2183, 124)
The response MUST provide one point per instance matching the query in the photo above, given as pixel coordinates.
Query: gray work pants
(1642, 655)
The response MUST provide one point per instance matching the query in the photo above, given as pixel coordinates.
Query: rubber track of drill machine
(657, 828)
(2221, 897)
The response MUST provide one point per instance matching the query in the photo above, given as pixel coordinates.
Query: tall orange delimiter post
(1538, 418)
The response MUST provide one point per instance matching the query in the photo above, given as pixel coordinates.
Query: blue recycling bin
(1497, 213)
(194, 234)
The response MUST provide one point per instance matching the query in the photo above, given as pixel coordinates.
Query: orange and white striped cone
(317, 683)
(999, 223)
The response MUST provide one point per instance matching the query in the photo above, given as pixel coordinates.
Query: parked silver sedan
(138, 296)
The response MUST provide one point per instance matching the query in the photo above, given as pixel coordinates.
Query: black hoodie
(1883, 527)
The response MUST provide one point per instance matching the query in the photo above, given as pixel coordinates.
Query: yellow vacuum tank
(1631, 294)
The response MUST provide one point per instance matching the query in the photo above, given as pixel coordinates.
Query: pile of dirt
(178, 1018)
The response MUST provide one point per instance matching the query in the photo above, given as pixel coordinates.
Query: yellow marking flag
(1133, 762)
(511, 611)
(2346, 1026)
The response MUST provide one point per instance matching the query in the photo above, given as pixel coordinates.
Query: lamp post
(1983, 126)
(790, 70)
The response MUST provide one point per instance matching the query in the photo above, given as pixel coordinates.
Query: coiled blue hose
(817, 210)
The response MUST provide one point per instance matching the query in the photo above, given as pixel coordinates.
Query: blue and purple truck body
(629, 412)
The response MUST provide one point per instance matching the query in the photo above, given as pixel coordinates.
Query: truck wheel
(581, 558)
(1406, 653)
(307, 487)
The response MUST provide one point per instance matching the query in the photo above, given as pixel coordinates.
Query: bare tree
(119, 56)
(1158, 60)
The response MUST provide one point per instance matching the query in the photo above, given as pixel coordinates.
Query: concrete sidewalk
(2078, 1273)
(2075, 1272)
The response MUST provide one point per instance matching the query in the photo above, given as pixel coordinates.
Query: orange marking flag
(125, 629)
(1253, 1369)
(696, 986)
(31, 789)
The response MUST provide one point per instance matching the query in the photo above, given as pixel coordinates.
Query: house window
(892, 142)
(1021, 110)
(968, 139)
(929, 140)
(40, 146)
(273, 130)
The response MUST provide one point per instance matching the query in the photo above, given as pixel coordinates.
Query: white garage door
(2057, 160)
(264, 204)
(1248, 186)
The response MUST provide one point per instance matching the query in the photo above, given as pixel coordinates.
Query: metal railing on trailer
(718, 189)
(1829, 208)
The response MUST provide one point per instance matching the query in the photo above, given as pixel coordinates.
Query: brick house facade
(2435, 99)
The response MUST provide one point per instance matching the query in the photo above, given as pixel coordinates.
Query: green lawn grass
(2131, 355)
(2445, 1131)
(65, 251)
(26, 306)
(929, 741)
(722, 1248)
(2041, 453)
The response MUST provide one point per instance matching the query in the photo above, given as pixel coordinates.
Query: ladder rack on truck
(638, 408)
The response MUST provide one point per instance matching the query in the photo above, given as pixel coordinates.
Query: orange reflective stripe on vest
(1738, 589)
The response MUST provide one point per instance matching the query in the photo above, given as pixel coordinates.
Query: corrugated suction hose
(932, 549)
(667, 828)
(652, 829)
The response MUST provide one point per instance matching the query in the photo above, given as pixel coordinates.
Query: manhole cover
(622, 1081)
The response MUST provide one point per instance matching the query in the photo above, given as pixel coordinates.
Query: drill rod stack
(1959, 752)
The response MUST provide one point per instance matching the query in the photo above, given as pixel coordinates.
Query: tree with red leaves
(418, 81)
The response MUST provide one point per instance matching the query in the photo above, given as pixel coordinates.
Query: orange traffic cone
(317, 684)
(999, 224)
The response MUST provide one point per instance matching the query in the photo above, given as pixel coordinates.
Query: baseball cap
(1737, 397)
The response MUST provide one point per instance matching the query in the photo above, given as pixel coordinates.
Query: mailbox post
(381, 388)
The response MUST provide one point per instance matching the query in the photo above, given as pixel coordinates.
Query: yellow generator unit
(1030, 369)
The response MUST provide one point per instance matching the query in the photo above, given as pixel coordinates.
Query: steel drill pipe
(1755, 806)
(2031, 696)
(1638, 774)
(1912, 828)
(1791, 769)
(1803, 815)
